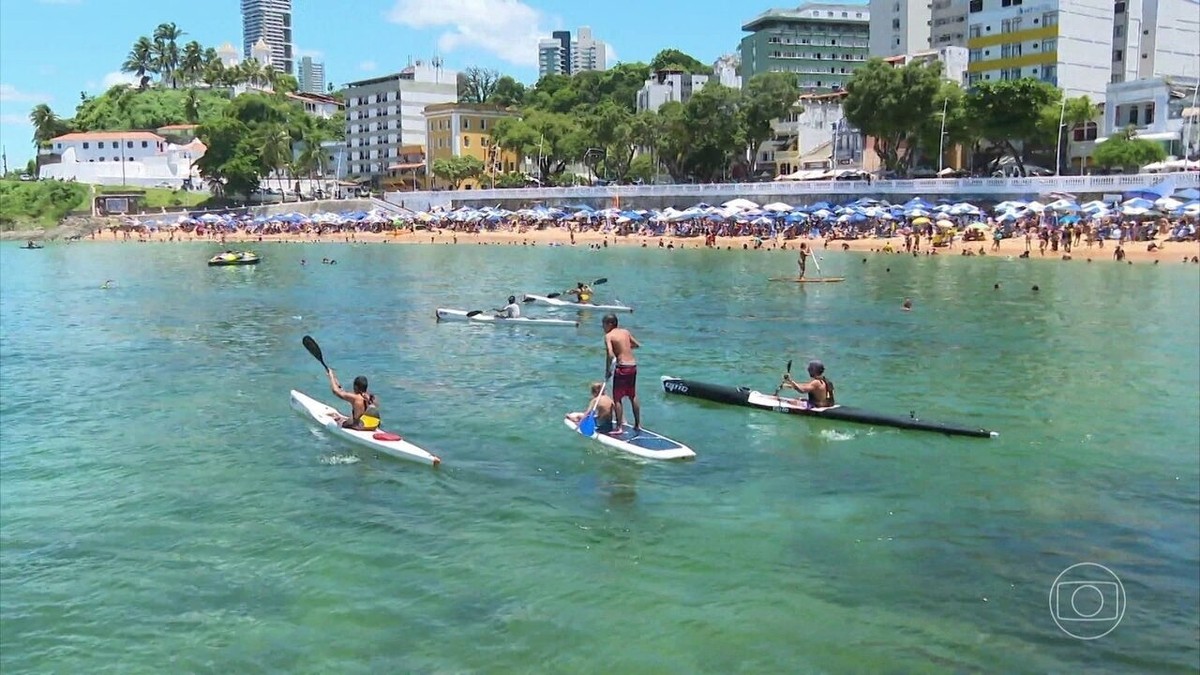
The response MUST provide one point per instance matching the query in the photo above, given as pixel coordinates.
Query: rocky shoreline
(71, 226)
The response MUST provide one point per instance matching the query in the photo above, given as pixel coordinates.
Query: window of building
(1010, 50)
(85, 145)
(1050, 19)
(1119, 8)
(1050, 74)
(466, 141)
(1118, 55)
(1010, 25)
(974, 55)
(1118, 30)
(116, 159)
(1149, 114)
(1133, 116)
(1049, 45)
(976, 6)
(1085, 132)
(129, 144)
(895, 24)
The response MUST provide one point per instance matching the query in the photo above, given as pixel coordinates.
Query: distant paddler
(510, 311)
(107, 284)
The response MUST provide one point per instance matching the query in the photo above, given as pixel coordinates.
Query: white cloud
(117, 77)
(367, 66)
(10, 94)
(14, 119)
(509, 29)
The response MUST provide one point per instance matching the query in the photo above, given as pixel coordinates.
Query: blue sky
(51, 50)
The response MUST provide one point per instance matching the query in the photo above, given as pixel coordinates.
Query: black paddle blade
(314, 349)
(789, 367)
(553, 295)
(476, 312)
(601, 280)
(528, 300)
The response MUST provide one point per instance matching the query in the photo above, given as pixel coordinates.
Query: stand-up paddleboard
(810, 280)
(643, 443)
(379, 440)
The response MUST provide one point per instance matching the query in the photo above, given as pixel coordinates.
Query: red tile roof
(108, 135)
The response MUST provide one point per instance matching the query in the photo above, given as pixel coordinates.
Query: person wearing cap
(510, 311)
(818, 388)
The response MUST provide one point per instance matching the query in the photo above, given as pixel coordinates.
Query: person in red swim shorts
(622, 367)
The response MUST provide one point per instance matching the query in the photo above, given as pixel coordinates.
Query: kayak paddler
(364, 406)
(510, 311)
(582, 293)
(621, 366)
(819, 388)
(603, 405)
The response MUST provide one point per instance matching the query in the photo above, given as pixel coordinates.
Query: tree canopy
(1128, 151)
(458, 170)
(673, 59)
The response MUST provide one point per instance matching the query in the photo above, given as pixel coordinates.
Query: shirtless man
(603, 405)
(802, 261)
(622, 367)
(364, 407)
(818, 388)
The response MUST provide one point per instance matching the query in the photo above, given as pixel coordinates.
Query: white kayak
(643, 443)
(557, 302)
(487, 317)
(389, 444)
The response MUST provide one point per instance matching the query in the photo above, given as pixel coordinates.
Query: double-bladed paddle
(598, 282)
(314, 349)
(789, 372)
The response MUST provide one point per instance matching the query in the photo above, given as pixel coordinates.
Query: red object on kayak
(386, 436)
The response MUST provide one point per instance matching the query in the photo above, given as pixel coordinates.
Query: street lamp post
(942, 138)
(1062, 115)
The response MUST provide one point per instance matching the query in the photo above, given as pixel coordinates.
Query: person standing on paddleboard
(819, 389)
(802, 261)
(621, 366)
(364, 406)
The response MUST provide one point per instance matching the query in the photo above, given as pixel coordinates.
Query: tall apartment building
(1058, 41)
(910, 26)
(1155, 38)
(311, 76)
(385, 114)
(270, 21)
(821, 43)
(561, 55)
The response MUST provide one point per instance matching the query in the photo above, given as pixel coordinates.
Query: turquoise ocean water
(162, 509)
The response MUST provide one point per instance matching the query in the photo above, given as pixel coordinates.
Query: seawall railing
(802, 191)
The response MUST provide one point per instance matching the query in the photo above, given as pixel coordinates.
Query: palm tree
(191, 106)
(1077, 112)
(250, 72)
(46, 124)
(141, 61)
(166, 51)
(270, 76)
(276, 144)
(191, 65)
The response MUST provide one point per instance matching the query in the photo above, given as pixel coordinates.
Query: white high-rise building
(669, 85)
(725, 71)
(910, 26)
(588, 53)
(311, 76)
(1155, 38)
(559, 54)
(385, 118)
(270, 21)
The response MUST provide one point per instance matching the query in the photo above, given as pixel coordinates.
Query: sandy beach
(1170, 252)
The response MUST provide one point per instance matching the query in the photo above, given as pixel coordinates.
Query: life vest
(370, 419)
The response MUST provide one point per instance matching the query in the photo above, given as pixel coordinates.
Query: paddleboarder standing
(621, 365)
(802, 261)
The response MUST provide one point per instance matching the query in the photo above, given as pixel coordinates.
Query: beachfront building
(818, 138)
(954, 62)
(465, 129)
(821, 43)
(908, 26)
(1155, 38)
(1158, 109)
(138, 158)
(559, 54)
(317, 105)
(385, 114)
(271, 22)
(669, 85)
(726, 71)
(1060, 42)
(311, 76)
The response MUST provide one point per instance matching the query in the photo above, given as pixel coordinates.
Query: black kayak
(749, 398)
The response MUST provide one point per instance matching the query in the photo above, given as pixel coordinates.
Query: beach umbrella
(777, 206)
(1190, 193)
(944, 224)
(740, 204)
(915, 212)
(1137, 203)
(921, 220)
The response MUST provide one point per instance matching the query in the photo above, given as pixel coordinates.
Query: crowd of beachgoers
(1133, 229)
